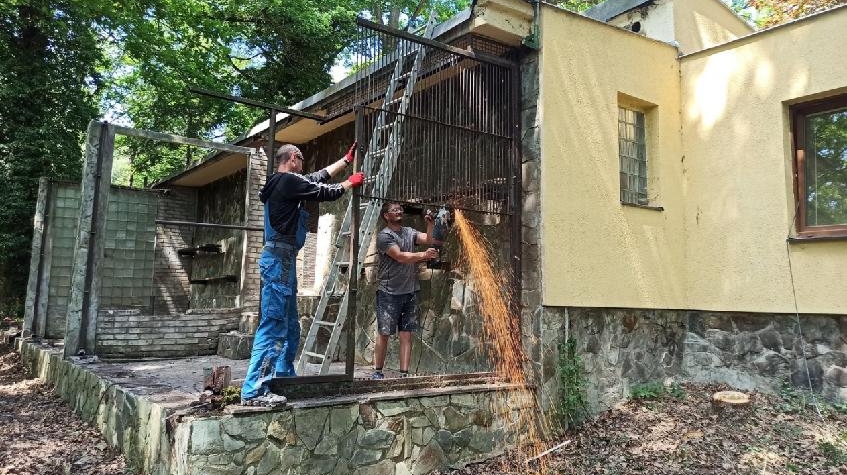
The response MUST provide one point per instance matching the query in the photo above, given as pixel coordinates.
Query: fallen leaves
(685, 436)
(40, 435)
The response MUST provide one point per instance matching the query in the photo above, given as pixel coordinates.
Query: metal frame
(80, 332)
(346, 381)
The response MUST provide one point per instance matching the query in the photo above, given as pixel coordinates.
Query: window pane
(632, 148)
(826, 168)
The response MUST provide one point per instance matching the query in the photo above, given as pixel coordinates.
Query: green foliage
(826, 168)
(834, 454)
(49, 60)
(655, 390)
(793, 401)
(573, 405)
(648, 390)
(578, 5)
(231, 395)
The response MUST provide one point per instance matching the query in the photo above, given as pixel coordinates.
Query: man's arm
(335, 167)
(426, 238)
(395, 253)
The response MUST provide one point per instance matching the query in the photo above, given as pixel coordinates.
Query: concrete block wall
(172, 270)
(131, 334)
(62, 218)
(127, 266)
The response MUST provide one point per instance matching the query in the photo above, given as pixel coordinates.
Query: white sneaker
(265, 400)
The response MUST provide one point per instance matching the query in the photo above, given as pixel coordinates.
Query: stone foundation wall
(129, 334)
(621, 348)
(399, 436)
(131, 423)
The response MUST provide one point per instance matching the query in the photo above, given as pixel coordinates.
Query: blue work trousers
(278, 335)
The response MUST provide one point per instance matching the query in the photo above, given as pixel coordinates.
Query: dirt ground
(677, 432)
(664, 432)
(39, 435)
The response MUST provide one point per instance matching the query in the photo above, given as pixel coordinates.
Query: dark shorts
(396, 312)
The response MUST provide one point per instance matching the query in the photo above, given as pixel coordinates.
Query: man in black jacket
(278, 334)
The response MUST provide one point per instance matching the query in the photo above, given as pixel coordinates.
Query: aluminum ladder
(381, 157)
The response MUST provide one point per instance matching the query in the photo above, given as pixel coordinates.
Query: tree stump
(732, 400)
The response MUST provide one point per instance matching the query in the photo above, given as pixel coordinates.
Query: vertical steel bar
(353, 283)
(515, 198)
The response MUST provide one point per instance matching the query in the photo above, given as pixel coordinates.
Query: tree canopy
(65, 62)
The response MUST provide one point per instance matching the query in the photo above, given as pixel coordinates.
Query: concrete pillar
(81, 323)
(36, 264)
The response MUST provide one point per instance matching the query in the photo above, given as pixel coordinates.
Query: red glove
(356, 179)
(351, 153)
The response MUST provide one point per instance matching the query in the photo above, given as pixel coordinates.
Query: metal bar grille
(454, 146)
(633, 156)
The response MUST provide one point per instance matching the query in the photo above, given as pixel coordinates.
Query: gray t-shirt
(396, 278)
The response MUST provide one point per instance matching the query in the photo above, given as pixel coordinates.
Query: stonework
(392, 433)
(621, 348)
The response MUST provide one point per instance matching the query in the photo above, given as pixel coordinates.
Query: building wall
(62, 215)
(738, 171)
(598, 252)
(693, 24)
(127, 267)
(701, 24)
(131, 334)
(171, 271)
(216, 276)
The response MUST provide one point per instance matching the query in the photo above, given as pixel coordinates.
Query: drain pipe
(533, 40)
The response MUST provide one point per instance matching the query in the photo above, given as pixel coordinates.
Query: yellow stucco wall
(738, 181)
(701, 24)
(597, 252)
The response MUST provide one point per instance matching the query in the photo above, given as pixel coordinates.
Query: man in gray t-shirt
(397, 292)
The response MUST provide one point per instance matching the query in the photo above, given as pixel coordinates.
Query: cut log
(216, 378)
(729, 399)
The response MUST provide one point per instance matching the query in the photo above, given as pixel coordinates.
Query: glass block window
(632, 149)
(820, 158)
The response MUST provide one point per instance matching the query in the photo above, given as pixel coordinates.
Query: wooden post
(216, 378)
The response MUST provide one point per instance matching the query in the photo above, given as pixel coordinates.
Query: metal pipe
(208, 225)
(264, 105)
(481, 57)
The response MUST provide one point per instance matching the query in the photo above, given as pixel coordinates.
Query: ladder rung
(343, 264)
(326, 324)
(314, 355)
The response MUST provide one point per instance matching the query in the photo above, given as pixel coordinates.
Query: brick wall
(255, 239)
(171, 270)
(130, 334)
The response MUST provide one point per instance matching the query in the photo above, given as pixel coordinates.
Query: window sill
(807, 239)
(652, 208)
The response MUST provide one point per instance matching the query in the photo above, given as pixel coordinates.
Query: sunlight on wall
(711, 89)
